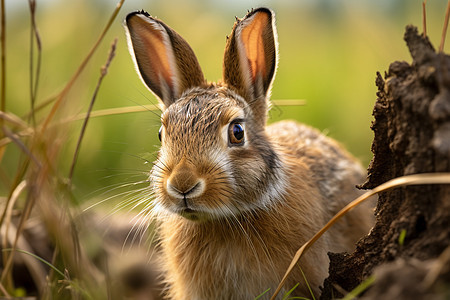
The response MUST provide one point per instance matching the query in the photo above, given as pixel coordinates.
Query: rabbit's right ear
(250, 58)
(165, 61)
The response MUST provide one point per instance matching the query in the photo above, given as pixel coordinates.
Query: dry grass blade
(6, 140)
(17, 122)
(34, 76)
(6, 272)
(289, 102)
(41, 106)
(7, 213)
(104, 71)
(5, 228)
(83, 64)
(31, 261)
(424, 17)
(4, 291)
(154, 107)
(13, 137)
(417, 179)
(3, 57)
(444, 29)
(117, 111)
(2, 66)
(13, 119)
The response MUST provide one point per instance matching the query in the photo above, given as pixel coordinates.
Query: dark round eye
(159, 134)
(236, 134)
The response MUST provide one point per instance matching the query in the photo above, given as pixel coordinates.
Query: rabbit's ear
(165, 61)
(251, 55)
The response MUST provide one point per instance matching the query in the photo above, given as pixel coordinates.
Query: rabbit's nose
(184, 183)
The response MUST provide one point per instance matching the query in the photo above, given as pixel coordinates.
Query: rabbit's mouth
(197, 214)
(190, 214)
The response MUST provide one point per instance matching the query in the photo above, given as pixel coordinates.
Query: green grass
(363, 286)
(401, 237)
(266, 292)
(39, 259)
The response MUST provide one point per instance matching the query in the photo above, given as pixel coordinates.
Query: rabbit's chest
(218, 268)
(229, 274)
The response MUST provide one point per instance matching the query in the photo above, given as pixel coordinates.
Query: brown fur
(231, 216)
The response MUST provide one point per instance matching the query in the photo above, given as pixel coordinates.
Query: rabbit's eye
(236, 134)
(159, 134)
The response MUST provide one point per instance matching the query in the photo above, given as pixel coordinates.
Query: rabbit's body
(235, 198)
(241, 257)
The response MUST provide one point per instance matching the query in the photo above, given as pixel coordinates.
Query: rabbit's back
(332, 169)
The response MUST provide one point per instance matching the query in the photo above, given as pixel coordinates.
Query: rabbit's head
(216, 159)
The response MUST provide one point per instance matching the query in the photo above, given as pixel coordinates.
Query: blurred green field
(329, 54)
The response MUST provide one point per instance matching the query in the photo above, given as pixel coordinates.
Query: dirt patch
(412, 135)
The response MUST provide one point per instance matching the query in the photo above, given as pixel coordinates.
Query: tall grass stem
(444, 29)
(34, 74)
(61, 96)
(104, 71)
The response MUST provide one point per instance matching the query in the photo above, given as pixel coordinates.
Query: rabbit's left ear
(250, 58)
(164, 60)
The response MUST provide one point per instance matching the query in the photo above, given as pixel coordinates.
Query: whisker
(114, 197)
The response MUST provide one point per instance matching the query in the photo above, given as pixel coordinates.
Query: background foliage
(329, 53)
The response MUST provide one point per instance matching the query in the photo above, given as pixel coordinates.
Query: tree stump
(412, 135)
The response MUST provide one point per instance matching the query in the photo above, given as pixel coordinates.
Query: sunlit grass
(37, 193)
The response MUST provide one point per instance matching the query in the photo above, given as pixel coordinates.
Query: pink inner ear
(157, 64)
(252, 38)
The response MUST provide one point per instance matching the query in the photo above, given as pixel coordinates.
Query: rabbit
(234, 198)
